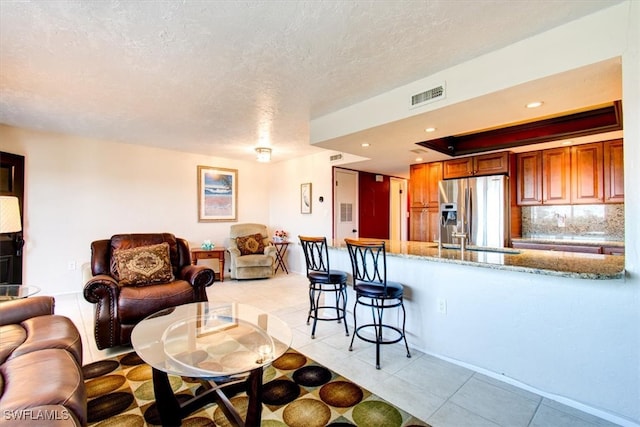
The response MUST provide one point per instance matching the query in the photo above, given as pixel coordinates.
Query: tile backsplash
(589, 221)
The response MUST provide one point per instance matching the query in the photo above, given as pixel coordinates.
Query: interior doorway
(345, 204)
(12, 184)
(398, 209)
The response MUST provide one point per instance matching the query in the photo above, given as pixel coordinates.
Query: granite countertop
(556, 263)
(571, 240)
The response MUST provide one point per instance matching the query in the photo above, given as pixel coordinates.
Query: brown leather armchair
(121, 302)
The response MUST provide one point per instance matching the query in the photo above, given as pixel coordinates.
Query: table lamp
(10, 220)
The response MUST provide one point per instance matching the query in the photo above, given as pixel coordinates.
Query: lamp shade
(9, 215)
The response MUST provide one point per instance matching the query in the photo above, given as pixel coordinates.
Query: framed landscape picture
(305, 198)
(217, 194)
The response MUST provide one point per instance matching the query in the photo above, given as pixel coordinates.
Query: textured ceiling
(221, 77)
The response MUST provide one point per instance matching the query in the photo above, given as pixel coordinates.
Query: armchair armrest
(234, 252)
(271, 251)
(103, 290)
(19, 310)
(198, 276)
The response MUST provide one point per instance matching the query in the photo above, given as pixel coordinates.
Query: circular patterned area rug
(297, 392)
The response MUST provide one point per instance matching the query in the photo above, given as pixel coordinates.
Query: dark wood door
(11, 184)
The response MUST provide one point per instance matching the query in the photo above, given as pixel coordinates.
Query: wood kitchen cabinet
(423, 183)
(582, 174)
(587, 173)
(529, 178)
(544, 177)
(423, 192)
(487, 164)
(423, 224)
(613, 171)
(556, 176)
(418, 185)
(558, 247)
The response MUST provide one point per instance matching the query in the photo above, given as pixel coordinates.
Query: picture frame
(217, 194)
(305, 198)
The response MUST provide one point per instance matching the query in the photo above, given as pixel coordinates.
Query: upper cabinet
(556, 176)
(529, 178)
(487, 164)
(423, 193)
(581, 174)
(613, 171)
(586, 173)
(423, 184)
(543, 177)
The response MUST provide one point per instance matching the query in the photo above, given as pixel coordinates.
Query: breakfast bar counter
(555, 263)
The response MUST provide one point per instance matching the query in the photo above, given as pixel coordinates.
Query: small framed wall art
(217, 194)
(305, 198)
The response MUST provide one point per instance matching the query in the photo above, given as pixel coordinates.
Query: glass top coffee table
(11, 292)
(228, 344)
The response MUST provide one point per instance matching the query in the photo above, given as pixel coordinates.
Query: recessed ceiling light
(365, 144)
(430, 130)
(534, 104)
(418, 159)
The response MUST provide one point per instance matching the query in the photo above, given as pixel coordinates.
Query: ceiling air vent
(431, 95)
(335, 157)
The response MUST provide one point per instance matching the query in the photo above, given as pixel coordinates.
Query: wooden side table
(281, 251)
(215, 253)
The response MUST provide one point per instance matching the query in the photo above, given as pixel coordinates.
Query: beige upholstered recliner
(252, 255)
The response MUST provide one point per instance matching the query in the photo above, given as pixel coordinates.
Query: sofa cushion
(251, 244)
(51, 331)
(46, 377)
(11, 337)
(144, 265)
(136, 303)
(256, 260)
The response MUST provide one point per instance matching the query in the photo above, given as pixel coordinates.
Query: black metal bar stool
(323, 280)
(369, 265)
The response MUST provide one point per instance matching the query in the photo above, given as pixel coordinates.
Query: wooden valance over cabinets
(594, 121)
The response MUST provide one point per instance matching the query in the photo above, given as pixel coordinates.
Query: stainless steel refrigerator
(478, 207)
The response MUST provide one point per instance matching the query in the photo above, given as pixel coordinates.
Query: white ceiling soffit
(571, 91)
(222, 77)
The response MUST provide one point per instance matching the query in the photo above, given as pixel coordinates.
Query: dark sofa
(41, 380)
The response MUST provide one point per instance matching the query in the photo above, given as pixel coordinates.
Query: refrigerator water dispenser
(449, 214)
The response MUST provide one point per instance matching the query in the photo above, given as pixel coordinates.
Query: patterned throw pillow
(249, 245)
(144, 265)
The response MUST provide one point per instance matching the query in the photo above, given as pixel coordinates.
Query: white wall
(78, 190)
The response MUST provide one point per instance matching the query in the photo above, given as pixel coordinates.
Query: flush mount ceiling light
(263, 154)
(534, 104)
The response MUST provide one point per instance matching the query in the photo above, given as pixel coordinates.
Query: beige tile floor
(436, 391)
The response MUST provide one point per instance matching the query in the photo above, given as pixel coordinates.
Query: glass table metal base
(225, 345)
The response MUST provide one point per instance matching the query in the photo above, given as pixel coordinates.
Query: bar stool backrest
(368, 261)
(316, 254)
